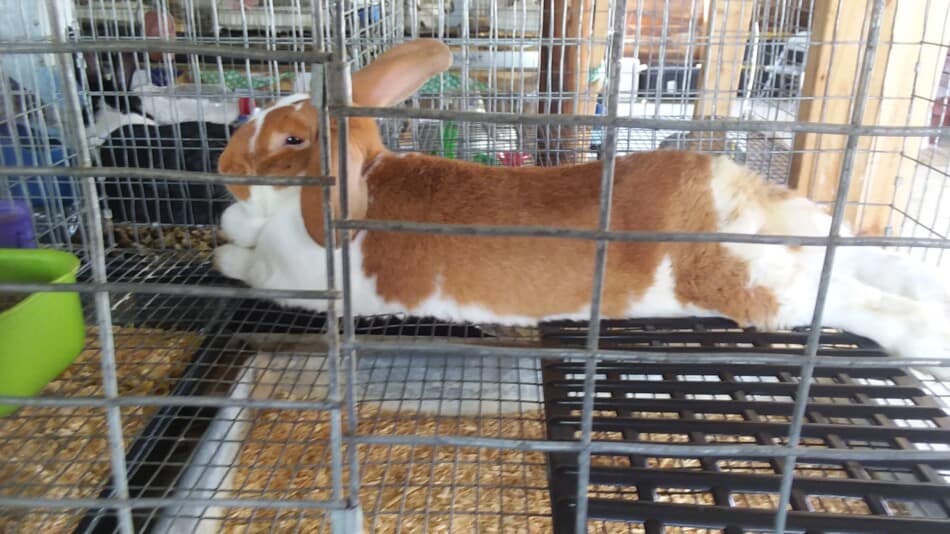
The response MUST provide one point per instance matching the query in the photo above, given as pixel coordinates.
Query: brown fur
(393, 77)
(660, 191)
(290, 160)
(522, 276)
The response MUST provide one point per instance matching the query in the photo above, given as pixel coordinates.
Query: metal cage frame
(331, 62)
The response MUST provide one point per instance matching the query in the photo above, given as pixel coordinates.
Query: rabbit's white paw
(233, 261)
(241, 226)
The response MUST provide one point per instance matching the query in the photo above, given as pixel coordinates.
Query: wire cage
(199, 405)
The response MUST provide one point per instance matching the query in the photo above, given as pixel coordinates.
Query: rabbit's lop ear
(236, 160)
(399, 72)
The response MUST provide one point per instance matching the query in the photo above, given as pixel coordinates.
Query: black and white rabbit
(186, 146)
(112, 104)
(124, 135)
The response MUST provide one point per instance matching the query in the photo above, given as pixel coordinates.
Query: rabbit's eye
(293, 140)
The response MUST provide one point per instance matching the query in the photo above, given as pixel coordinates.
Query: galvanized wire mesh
(205, 403)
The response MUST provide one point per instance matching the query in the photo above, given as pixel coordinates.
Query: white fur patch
(258, 118)
(791, 275)
(108, 119)
(659, 300)
(872, 293)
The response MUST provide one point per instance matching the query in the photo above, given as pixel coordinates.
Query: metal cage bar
(480, 109)
(808, 367)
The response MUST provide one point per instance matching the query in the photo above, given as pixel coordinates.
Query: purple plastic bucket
(16, 224)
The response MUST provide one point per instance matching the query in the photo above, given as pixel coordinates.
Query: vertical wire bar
(907, 120)
(319, 85)
(414, 20)
(333, 364)
(688, 62)
(579, 43)
(96, 249)
(462, 128)
(562, 41)
(635, 95)
(609, 151)
(660, 69)
(930, 165)
(931, 229)
(57, 219)
(341, 97)
(844, 185)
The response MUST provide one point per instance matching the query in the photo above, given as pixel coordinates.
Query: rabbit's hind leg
(904, 327)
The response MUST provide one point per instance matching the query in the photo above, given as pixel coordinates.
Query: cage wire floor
(198, 346)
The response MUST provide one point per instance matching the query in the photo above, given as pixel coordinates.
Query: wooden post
(827, 94)
(906, 92)
(834, 60)
(729, 26)
(565, 72)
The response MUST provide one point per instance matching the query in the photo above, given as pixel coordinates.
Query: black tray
(730, 404)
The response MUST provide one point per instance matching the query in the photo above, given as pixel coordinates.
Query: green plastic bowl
(43, 333)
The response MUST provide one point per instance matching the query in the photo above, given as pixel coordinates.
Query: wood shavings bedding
(404, 488)
(62, 453)
(166, 238)
(444, 489)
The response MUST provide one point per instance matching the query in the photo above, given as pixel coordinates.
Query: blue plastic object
(369, 14)
(38, 189)
(16, 225)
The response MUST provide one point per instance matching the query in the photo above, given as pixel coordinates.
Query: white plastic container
(481, 59)
(187, 102)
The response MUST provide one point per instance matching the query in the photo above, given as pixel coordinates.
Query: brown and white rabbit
(277, 233)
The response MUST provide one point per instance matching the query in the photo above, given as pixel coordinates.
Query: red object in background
(245, 105)
(156, 27)
(940, 116)
(514, 159)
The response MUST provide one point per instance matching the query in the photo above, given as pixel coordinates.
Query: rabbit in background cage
(277, 233)
(123, 134)
(186, 146)
(112, 104)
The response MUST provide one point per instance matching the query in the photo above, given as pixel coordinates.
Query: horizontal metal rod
(164, 174)
(211, 402)
(163, 502)
(655, 449)
(631, 236)
(683, 478)
(644, 123)
(164, 45)
(168, 289)
(640, 356)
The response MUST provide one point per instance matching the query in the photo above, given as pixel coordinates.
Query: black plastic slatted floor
(735, 404)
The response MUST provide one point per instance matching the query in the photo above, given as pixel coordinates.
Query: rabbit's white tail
(879, 295)
(906, 327)
(904, 298)
(900, 303)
